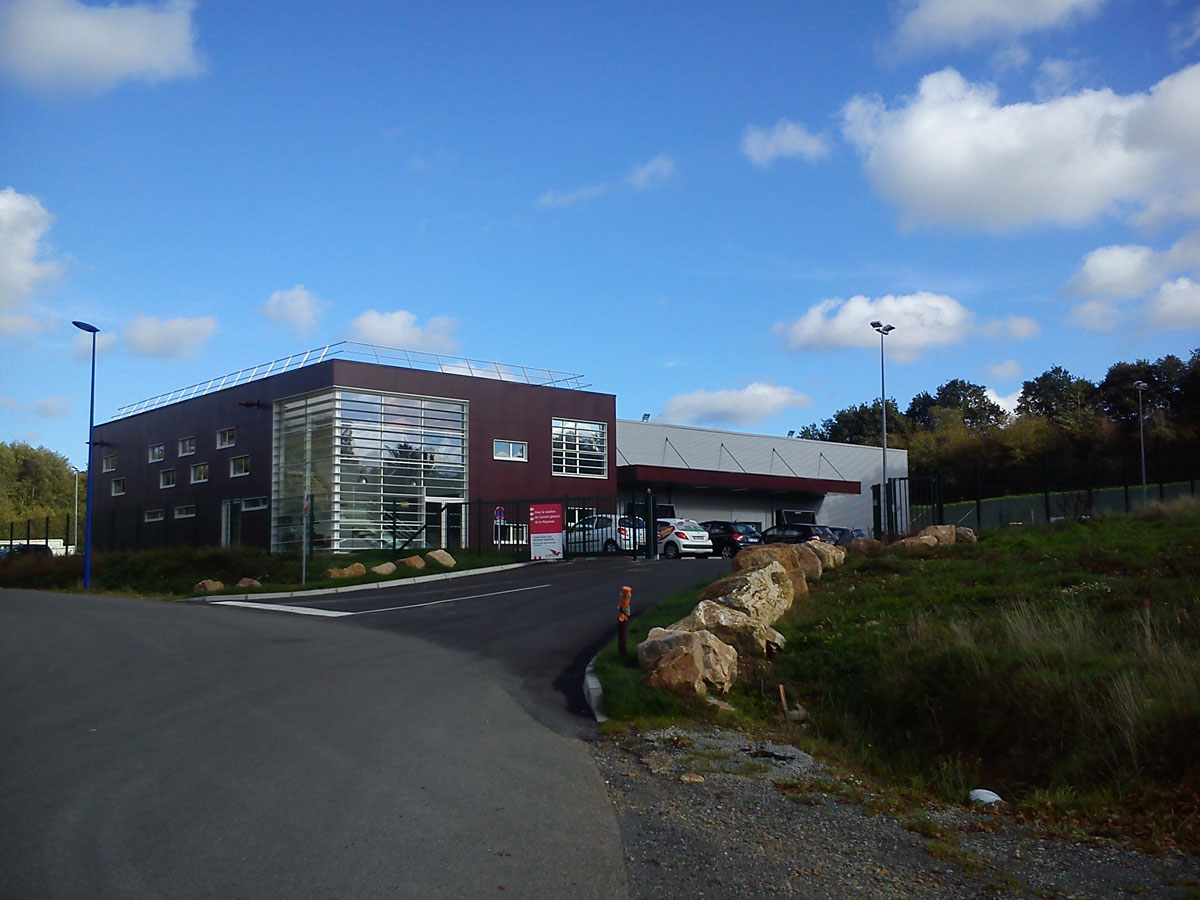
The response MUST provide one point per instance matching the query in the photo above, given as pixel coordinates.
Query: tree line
(1058, 415)
(36, 482)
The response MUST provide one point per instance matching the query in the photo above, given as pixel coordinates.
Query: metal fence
(56, 532)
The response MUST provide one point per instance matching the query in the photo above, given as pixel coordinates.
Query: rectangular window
(109, 463)
(199, 473)
(154, 515)
(239, 466)
(118, 487)
(157, 453)
(186, 512)
(578, 448)
(166, 478)
(252, 503)
(226, 437)
(187, 446)
(513, 451)
(506, 534)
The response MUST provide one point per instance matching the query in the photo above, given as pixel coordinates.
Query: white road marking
(299, 610)
(532, 587)
(334, 614)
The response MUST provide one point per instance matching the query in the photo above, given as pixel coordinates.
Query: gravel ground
(710, 813)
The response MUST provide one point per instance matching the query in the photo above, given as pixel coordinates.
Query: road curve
(171, 750)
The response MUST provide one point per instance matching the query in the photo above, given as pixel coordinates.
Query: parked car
(730, 537)
(797, 533)
(12, 551)
(844, 535)
(606, 534)
(682, 537)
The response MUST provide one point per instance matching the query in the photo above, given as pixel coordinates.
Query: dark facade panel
(650, 476)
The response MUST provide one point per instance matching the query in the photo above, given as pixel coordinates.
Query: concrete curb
(593, 691)
(350, 588)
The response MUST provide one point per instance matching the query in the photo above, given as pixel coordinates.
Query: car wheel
(671, 550)
(610, 546)
(728, 551)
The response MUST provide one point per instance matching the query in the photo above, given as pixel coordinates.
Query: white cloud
(20, 325)
(552, 199)
(23, 264)
(1110, 275)
(297, 309)
(1096, 315)
(922, 320)
(1055, 78)
(1176, 305)
(1185, 34)
(1018, 328)
(57, 407)
(1004, 371)
(400, 330)
(168, 338)
(953, 155)
(105, 341)
(67, 44)
(651, 174)
(744, 407)
(1118, 271)
(1007, 402)
(960, 23)
(763, 146)
(1012, 58)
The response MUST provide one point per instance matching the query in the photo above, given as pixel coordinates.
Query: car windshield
(631, 522)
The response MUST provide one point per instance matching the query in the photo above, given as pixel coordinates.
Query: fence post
(46, 532)
(1087, 460)
(978, 494)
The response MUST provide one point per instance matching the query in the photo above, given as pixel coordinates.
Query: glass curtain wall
(390, 454)
(304, 461)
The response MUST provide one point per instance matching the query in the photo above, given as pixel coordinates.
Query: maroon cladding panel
(496, 410)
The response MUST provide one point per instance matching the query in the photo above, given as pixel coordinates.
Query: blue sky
(698, 207)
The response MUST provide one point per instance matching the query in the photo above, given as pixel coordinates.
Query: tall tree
(861, 424)
(35, 482)
(1067, 401)
(979, 412)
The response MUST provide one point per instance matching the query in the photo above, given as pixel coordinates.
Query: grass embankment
(173, 572)
(1026, 663)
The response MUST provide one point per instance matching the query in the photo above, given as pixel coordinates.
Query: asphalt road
(189, 750)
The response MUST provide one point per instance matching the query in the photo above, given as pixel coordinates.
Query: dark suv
(11, 551)
(730, 537)
(797, 533)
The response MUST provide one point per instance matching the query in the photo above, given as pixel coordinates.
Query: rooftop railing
(386, 356)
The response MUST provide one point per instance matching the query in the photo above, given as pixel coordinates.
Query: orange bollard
(623, 619)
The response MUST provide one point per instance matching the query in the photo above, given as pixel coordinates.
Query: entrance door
(444, 523)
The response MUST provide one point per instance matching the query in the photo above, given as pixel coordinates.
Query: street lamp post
(75, 516)
(1140, 386)
(87, 531)
(884, 331)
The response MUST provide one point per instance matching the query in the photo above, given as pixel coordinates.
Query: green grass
(1024, 663)
(173, 572)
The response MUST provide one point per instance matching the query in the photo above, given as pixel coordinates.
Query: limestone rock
(350, 571)
(809, 561)
(734, 627)
(943, 534)
(692, 777)
(386, 568)
(248, 582)
(412, 562)
(763, 594)
(787, 555)
(208, 585)
(826, 552)
(441, 558)
(867, 546)
(965, 535)
(718, 704)
(687, 662)
(919, 542)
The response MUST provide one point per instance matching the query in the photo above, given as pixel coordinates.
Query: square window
(512, 451)
(154, 515)
(166, 478)
(118, 487)
(157, 453)
(109, 463)
(187, 446)
(199, 473)
(226, 437)
(239, 466)
(579, 449)
(186, 512)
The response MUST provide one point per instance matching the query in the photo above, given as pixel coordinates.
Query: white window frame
(163, 476)
(154, 515)
(187, 511)
(249, 504)
(156, 453)
(187, 446)
(233, 461)
(510, 534)
(118, 487)
(192, 473)
(560, 423)
(226, 438)
(505, 452)
(108, 463)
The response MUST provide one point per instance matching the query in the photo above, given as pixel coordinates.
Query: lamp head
(1140, 385)
(876, 324)
(887, 329)
(84, 326)
(792, 433)
(645, 417)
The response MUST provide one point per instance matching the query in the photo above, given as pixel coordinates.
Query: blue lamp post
(87, 531)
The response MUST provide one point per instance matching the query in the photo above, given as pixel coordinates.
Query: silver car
(606, 534)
